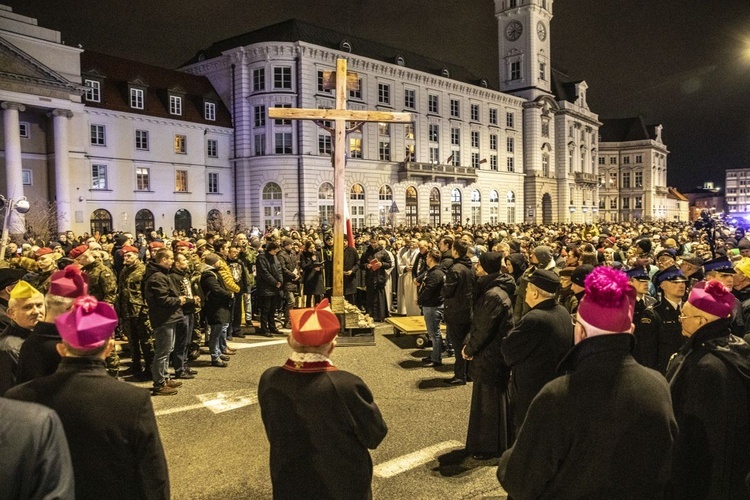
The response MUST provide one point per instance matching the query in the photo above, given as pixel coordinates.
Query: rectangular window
(626, 203)
(98, 177)
(384, 93)
(493, 162)
(321, 83)
(613, 160)
(639, 179)
(282, 77)
(409, 98)
(474, 138)
(626, 179)
(435, 155)
(209, 111)
(213, 183)
(282, 121)
(433, 132)
(455, 108)
(493, 116)
(542, 71)
(384, 151)
(259, 79)
(259, 116)
(93, 90)
(141, 140)
(638, 202)
(283, 143)
(136, 98)
(212, 148)
(27, 177)
(23, 130)
(181, 181)
(432, 104)
(410, 153)
(493, 142)
(475, 160)
(545, 128)
(98, 135)
(356, 94)
(409, 131)
(510, 120)
(175, 105)
(475, 112)
(180, 144)
(384, 129)
(639, 158)
(510, 144)
(455, 137)
(626, 160)
(142, 181)
(515, 70)
(355, 147)
(601, 160)
(613, 180)
(613, 203)
(511, 167)
(325, 146)
(260, 144)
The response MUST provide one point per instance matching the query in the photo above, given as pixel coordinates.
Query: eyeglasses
(682, 317)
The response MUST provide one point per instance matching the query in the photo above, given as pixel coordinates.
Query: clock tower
(524, 47)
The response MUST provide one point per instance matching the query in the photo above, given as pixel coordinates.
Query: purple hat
(609, 301)
(88, 325)
(68, 283)
(712, 297)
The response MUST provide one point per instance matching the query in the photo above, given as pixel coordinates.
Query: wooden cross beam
(340, 115)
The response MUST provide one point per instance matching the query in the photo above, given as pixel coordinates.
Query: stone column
(62, 168)
(13, 174)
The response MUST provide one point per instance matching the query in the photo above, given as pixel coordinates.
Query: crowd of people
(617, 348)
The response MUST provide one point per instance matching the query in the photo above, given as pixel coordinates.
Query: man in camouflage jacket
(133, 313)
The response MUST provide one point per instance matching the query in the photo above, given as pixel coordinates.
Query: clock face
(513, 30)
(541, 30)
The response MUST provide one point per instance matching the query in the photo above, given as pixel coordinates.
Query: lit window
(181, 181)
(98, 177)
(93, 90)
(355, 147)
(209, 111)
(136, 98)
(180, 144)
(141, 140)
(322, 83)
(356, 94)
(98, 136)
(175, 105)
(142, 182)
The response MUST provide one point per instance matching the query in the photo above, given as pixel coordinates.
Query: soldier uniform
(133, 313)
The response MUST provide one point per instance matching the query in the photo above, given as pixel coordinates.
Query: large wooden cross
(339, 116)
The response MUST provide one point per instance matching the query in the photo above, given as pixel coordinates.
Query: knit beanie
(609, 301)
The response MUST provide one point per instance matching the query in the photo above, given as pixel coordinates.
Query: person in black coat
(289, 268)
(489, 426)
(311, 262)
(268, 282)
(430, 300)
(709, 379)
(604, 429)
(351, 268)
(110, 426)
(217, 309)
(458, 293)
(376, 261)
(537, 343)
(320, 421)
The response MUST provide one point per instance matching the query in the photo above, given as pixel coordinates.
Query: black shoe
(266, 334)
(432, 364)
(185, 375)
(224, 357)
(449, 353)
(219, 363)
(485, 456)
(239, 335)
(455, 381)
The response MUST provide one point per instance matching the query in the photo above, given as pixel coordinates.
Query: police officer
(671, 284)
(644, 319)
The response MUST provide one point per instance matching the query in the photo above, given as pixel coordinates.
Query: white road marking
(218, 402)
(406, 462)
(263, 343)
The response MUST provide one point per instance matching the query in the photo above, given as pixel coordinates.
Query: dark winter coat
(38, 356)
(458, 292)
(376, 279)
(351, 263)
(533, 350)
(432, 285)
(162, 296)
(492, 321)
(710, 383)
(110, 427)
(218, 300)
(11, 340)
(289, 262)
(312, 273)
(605, 430)
(268, 275)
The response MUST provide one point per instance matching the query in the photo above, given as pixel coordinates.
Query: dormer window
(136, 98)
(445, 73)
(93, 90)
(346, 46)
(400, 60)
(209, 111)
(175, 105)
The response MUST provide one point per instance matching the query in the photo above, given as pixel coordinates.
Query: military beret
(43, 251)
(78, 251)
(129, 249)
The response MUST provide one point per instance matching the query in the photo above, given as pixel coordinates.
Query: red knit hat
(712, 297)
(609, 300)
(314, 327)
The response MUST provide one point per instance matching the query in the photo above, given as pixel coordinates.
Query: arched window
(385, 200)
(183, 221)
(144, 221)
(511, 205)
(214, 222)
(357, 206)
(101, 221)
(434, 207)
(476, 207)
(325, 203)
(411, 206)
(456, 206)
(271, 205)
(494, 206)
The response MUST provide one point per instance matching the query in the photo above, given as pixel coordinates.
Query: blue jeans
(163, 345)
(218, 335)
(432, 318)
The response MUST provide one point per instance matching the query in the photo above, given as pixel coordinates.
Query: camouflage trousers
(141, 340)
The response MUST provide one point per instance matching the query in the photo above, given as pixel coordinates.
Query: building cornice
(158, 121)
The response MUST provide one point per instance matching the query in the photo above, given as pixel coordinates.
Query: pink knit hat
(88, 325)
(68, 283)
(609, 300)
(712, 297)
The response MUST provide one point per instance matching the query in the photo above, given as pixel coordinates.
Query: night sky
(682, 63)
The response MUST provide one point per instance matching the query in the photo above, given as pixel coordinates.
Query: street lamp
(21, 206)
